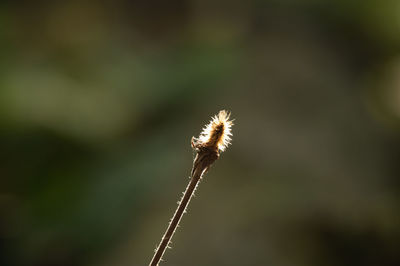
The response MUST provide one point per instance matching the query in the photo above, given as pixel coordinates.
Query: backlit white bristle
(217, 133)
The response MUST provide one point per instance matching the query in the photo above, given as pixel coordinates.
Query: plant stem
(204, 158)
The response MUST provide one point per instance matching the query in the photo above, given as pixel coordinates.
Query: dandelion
(215, 138)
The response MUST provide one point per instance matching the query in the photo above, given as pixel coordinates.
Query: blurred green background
(99, 101)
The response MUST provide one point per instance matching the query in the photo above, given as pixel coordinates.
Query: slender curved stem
(204, 158)
(175, 220)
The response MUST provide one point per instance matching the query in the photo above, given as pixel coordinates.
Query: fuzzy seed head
(217, 133)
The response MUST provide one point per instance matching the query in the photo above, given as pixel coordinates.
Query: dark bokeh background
(98, 102)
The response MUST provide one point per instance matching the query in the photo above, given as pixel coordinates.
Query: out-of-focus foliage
(98, 102)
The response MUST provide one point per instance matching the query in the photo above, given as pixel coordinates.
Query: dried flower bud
(217, 134)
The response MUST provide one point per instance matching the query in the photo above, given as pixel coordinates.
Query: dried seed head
(217, 134)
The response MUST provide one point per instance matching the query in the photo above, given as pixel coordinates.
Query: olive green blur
(99, 102)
